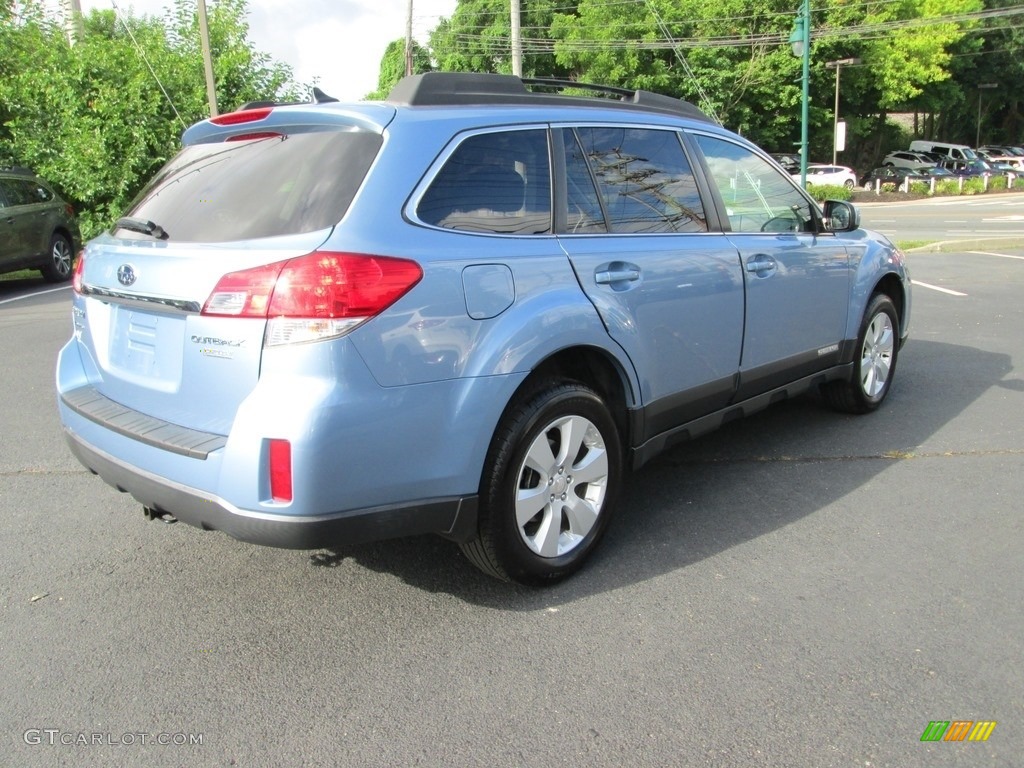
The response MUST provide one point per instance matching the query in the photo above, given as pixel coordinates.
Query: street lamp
(837, 65)
(981, 86)
(800, 40)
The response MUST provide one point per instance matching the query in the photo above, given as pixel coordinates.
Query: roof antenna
(320, 97)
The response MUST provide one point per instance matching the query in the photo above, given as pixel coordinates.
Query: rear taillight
(280, 470)
(321, 295)
(76, 276)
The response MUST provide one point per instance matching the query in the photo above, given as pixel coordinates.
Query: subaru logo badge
(126, 274)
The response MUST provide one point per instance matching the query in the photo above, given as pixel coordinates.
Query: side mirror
(841, 216)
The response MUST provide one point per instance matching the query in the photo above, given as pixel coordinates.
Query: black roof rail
(20, 170)
(461, 88)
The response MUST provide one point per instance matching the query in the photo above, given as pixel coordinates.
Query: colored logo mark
(958, 730)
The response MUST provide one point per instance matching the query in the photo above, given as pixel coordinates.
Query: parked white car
(1003, 161)
(836, 175)
(904, 158)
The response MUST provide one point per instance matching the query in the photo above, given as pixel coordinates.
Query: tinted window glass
(493, 182)
(25, 192)
(238, 190)
(644, 179)
(584, 208)
(757, 197)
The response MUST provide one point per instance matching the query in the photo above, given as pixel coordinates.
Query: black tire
(529, 452)
(875, 360)
(57, 268)
(849, 184)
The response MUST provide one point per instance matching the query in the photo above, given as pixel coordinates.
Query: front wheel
(849, 183)
(875, 365)
(549, 485)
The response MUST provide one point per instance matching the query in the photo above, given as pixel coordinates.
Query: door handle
(617, 273)
(761, 264)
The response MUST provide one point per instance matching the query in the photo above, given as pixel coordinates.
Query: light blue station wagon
(466, 310)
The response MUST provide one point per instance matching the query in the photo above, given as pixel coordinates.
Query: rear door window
(497, 182)
(644, 178)
(260, 187)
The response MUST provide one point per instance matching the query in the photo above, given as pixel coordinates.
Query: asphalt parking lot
(798, 589)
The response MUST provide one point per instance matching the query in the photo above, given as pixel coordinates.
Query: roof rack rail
(453, 88)
(319, 97)
(20, 170)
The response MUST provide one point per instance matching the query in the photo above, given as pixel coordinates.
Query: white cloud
(340, 43)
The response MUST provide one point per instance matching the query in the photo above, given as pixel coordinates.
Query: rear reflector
(280, 470)
(321, 295)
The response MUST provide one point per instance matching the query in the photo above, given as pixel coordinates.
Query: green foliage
(477, 39)
(822, 192)
(94, 119)
(732, 58)
(998, 184)
(392, 67)
(920, 187)
(973, 186)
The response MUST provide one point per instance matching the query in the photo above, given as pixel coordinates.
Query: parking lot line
(937, 288)
(37, 293)
(1000, 255)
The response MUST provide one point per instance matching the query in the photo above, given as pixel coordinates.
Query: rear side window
(25, 192)
(644, 178)
(260, 187)
(496, 182)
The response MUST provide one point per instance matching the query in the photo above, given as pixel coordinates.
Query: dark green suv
(37, 228)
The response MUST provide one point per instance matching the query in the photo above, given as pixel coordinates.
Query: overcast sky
(341, 42)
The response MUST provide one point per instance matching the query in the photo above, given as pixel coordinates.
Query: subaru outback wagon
(466, 310)
(38, 229)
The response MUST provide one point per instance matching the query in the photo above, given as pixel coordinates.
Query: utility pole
(204, 37)
(408, 40)
(73, 23)
(517, 40)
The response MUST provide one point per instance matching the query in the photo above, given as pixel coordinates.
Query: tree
(98, 119)
(392, 66)
(477, 38)
(730, 57)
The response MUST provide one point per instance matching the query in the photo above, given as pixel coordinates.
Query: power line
(149, 66)
(868, 31)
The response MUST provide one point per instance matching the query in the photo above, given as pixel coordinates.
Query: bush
(973, 186)
(947, 187)
(822, 192)
(998, 183)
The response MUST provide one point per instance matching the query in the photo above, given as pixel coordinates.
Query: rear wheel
(875, 363)
(58, 268)
(549, 485)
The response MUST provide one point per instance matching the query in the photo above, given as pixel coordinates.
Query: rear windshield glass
(260, 187)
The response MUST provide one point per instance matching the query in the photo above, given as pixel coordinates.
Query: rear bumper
(453, 517)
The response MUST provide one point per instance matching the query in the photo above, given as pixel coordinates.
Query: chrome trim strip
(142, 302)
